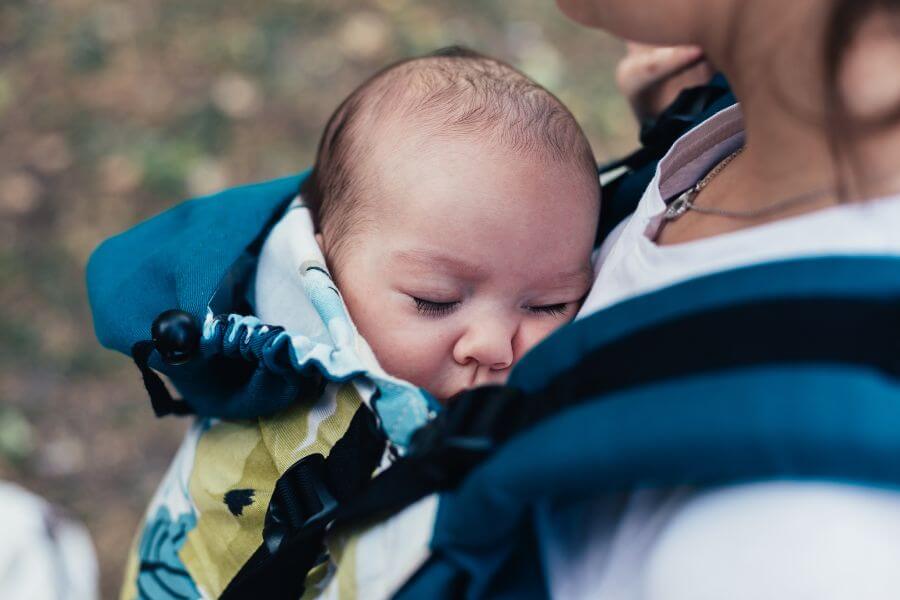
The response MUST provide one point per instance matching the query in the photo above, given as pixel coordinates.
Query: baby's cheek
(404, 346)
(534, 332)
(410, 354)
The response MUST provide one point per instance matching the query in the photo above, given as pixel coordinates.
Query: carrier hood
(176, 293)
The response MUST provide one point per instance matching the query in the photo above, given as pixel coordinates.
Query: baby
(456, 202)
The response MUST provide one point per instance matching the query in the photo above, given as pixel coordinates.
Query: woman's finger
(645, 66)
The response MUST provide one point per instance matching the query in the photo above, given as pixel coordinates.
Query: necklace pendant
(680, 205)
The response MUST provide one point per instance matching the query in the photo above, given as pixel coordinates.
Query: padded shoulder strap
(795, 333)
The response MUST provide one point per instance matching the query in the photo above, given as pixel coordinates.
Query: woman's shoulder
(822, 540)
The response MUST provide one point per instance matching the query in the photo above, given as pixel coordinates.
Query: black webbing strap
(789, 332)
(162, 401)
(303, 504)
(444, 451)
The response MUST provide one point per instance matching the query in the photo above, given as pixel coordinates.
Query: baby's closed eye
(439, 308)
(434, 309)
(551, 309)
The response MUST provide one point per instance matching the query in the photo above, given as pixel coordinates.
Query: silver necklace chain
(685, 202)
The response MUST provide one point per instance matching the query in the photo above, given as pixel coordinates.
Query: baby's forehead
(468, 96)
(414, 115)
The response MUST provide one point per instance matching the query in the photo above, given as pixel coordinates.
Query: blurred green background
(111, 111)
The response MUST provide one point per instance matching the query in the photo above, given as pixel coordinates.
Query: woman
(805, 167)
(560, 506)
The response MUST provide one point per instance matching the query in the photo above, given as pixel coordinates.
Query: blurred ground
(112, 111)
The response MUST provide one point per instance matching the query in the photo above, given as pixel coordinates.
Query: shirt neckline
(688, 161)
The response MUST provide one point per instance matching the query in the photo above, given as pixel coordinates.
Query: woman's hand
(651, 77)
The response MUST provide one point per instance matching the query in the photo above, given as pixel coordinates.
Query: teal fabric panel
(177, 259)
(437, 580)
(517, 575)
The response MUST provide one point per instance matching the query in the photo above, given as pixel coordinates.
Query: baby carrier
(309, 472)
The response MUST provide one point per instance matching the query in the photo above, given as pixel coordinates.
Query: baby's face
(471, 256)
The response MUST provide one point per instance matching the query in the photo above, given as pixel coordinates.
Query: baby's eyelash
(434, 309)
(551, 309)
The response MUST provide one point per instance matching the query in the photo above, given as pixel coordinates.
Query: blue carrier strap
(177, 259)
(808, 388)
(640, 420)
(163, 275)
(768, 422)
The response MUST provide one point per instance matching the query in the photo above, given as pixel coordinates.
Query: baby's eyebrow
(433, 260)
(565, 281)
(582, 277)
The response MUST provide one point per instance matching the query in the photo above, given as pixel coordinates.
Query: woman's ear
(321, 242)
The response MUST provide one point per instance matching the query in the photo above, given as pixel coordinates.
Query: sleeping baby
(456, 203)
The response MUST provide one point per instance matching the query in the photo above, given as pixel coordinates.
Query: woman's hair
(845, 128)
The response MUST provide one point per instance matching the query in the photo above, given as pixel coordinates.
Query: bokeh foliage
(111, 111)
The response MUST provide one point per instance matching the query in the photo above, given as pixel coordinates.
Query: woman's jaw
(774, 55)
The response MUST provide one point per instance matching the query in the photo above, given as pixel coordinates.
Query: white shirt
(630, 263)
(767, 540)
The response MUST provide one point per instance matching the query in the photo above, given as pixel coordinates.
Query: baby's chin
(444, 394)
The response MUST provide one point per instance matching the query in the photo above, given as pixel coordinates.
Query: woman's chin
(580, 11)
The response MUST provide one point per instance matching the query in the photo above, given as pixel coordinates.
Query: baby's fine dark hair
(453, 91)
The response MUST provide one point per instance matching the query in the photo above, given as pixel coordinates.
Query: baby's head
(456, 202)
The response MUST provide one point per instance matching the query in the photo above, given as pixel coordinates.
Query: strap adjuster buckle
(474, 423)
(301, 502)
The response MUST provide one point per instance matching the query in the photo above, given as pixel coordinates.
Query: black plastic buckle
(175, 336)
(301, 503)
(474, 423)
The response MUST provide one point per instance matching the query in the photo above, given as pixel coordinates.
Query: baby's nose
(488, 344)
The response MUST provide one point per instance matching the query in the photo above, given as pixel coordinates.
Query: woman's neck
(778, 76)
